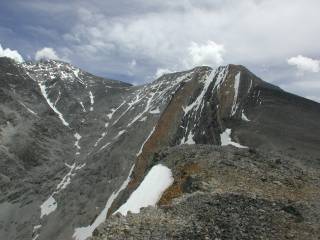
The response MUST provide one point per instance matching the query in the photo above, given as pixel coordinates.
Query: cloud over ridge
(46, 53)
(104, 37)
(13, 54)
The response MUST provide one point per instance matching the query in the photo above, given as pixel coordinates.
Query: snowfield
(150, 190)
(49, 206)
(244, 117)
(226, 139)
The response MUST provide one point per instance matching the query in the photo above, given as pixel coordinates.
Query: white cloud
(104, 37)
(162, 71)
(305, 63)
(162, 33)
(13, 54)
(46, 53)
(209, 54)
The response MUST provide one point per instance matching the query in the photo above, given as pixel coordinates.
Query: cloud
(104, 36)
(209, 54)
(46, 53)
(162, 71)
(305, 63)
(159, 33)
(13, 54)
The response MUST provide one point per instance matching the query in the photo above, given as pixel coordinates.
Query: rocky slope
(74, 147)
(227, 193)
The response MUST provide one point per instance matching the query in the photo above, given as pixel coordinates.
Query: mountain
(76, 149)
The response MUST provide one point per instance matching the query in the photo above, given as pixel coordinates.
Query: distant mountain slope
(74, 146)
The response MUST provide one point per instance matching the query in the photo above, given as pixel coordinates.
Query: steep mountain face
(75, 147)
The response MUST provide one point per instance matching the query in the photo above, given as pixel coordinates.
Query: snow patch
(113, 110)
(76, 72)
(143, 119)
(119, 134)
(197, 102)
(77, 137)
(83, 108)
(35, 228)
(189, 140)
(222, 74)
(141, 148)
(29, 110)
(249, 89)
(35, 232)
(98, 141)
(148, 106)
(104, 146)
(158, 179)
(66, 180)
(48, 206)
(131, 104)
(91, 100)
(244, 117)
(226, 139)
(58, 98)
(35, 237)
(155, 111)
(45, 95)
(236, 92)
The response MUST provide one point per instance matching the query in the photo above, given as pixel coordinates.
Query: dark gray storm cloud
(135, 40)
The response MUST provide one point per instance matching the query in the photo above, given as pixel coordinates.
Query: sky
(138, 40)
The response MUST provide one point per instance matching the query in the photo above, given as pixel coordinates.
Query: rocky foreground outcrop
(227, 193)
